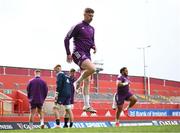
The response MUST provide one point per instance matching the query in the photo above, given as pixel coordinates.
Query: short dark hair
(37, 70)
(88, 10)
(122, 69)
(57, 66)
(72, 70)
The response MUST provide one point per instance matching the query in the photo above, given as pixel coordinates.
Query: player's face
(72, 74)
(88, 17)
(57, 69)
(125, 72)
(37, 73)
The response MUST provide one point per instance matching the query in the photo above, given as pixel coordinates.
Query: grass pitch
(139, 129)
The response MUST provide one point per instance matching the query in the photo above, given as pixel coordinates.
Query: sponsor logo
(148, 113)
(83, 124)
(176, 113)
(6, 127)
(19, 125)
(154, 112)
(134, 123)
(26, 125)
(79, 125)
(96, 124)
(157, 123)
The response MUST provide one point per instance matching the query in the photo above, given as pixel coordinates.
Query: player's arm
(28, 90)
(45, 90)
(69, 35)
(94, 46)
(60, 79)
(59, 85)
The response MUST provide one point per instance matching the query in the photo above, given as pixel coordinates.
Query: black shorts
(36, 105)
(64, 100)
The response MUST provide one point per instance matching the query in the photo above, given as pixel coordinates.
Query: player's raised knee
(93, 70)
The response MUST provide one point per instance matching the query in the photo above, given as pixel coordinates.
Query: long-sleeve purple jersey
(83, 38)
(37, 90)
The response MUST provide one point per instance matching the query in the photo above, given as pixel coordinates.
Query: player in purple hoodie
(36, 91)
(83, 38)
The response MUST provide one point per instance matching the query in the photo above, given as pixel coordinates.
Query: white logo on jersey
(67, 81)
(77, 54)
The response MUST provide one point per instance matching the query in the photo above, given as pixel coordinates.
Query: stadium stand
(164, 94)
(6, 104)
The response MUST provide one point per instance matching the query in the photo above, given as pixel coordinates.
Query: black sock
(71, 124)
(57, 121)
(66, 122)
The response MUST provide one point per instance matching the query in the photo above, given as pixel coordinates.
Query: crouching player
(63, 95)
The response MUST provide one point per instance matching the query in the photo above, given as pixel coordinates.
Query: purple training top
(37, 91)
(83, 38)
(123, 89)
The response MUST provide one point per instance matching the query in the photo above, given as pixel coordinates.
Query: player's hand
(69, 58)
(78, 91)
(95, 49)
(56, 97)
(56, 100)
(125, 83)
